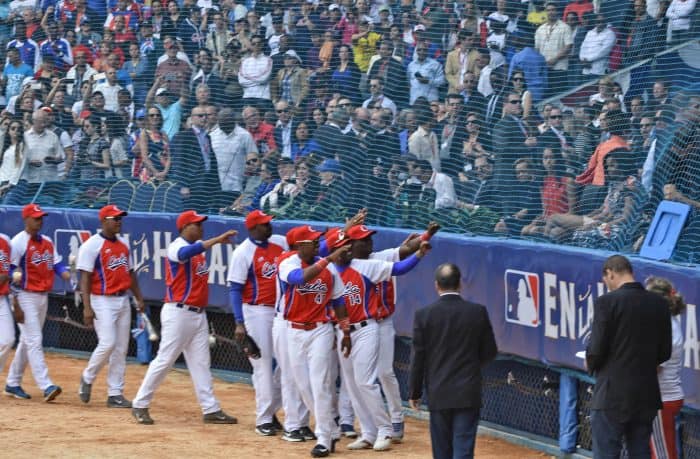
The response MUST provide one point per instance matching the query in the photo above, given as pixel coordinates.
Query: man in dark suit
(511, 141)
(392, 72)
(194, 165)
(630, 338)
(285, 128)
(452, 340)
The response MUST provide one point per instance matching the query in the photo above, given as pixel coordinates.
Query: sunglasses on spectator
(645, 124)
(200, 115)
(518, 79)
(514, 102)
(283, 110)
(477, 122)
(344, 105)
(251, 161)
(554, 117)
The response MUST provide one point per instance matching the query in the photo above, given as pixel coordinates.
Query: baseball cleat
(307, 433)
(84, 391)
(293, 436)
(382, 444)
(348, 431)
(360, 444)
(397, 436)
(266, 430)
(17, 392)
(51, 393)
(141, 415)
(118, 401)
(219, 417)
(320, 451)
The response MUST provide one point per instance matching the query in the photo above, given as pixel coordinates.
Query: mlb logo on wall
(522, 298)
(69, 241)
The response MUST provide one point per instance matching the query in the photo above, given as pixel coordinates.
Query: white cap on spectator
(160, 91)
(419, 27)
(333, 6)
(239, 12)
(292, 53)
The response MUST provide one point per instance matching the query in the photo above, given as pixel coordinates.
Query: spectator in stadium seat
(332, 188)
(511, 141)
(659, 138)
(659, 93)
(345, 78)
(495, 101)
(596, 47)
(377, 97)
(208, 76)
(473, 100)
(553, 40)
(191, 33)
(220, 36)
(57, 48)
(390, 70)
(532, 64)
(579, 8)
(641, 138)
(63, 137)
(606, 91)
(425, 75)
(43, 151)
(477, 187)
(555, 136)
(262, 132)
(406, 122)
(680, 14)
(174, 71)
(645, 40)
(13, 157)
(154, 146)
(423, 143)
(470, 142)
(14, 73)
(166, 102)
(617, 126)
(522, 202)
(291, 83)
(284, 128)
(194, 166)
(306, 184)
(28, 49)
(92, 157)
(172, 21)
(118, 148)
(517, 84)
(612, 219)
(458, 60)
(254, 76)
(556, 191)
(269, 178)
(330, 136)
(303, 145)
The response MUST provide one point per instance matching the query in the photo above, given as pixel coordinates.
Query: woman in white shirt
(12, 160)
(663, 438)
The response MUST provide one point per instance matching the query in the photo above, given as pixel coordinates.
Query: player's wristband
(344, 325)
(322, 263)
(425, 236)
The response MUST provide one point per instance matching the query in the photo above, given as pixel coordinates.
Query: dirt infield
(66, 428)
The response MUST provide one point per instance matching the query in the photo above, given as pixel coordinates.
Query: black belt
(358, 325)
(119, 293)
(189, 308)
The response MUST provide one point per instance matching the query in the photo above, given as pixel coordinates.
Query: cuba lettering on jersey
(36, 258)
(108, 261)
(311, 301)
(5, 258)
(360, 279)
(280, 286)
(384, 294)
(186, 281)
(255, 267)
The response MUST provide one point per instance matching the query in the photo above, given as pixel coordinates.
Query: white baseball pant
(182, 332)
(385, 369)
(345, 411)
(266, 380)
(309, 352)
(296, 415)
(112, 324)
(359, 373)
(30, 350)
(7, 330)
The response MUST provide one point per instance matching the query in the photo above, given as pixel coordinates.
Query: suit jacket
(299, 83)
(330, 138)
(453, 67)
(508, 140)
(395, 83)
(477, 104)
(630, 337)
(188, 165)
(452, 340)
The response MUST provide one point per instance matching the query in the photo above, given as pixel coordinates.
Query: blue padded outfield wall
(540, 297)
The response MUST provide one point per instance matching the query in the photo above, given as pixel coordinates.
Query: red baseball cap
(188, 217)
(33, 210)
(358, 232)
(111, 210)
(336, 237)
(302, 234)
(257, 217)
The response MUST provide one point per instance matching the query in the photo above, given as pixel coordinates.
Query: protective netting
(565, 121)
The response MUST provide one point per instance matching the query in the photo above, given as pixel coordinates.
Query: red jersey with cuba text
(255, 266)
(109, 262)
(360, 280)
(186, 280)
(5, 258)
(384, 295)
(310, 301)
(36, 257)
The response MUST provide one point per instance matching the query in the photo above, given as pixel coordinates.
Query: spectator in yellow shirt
(364, 44)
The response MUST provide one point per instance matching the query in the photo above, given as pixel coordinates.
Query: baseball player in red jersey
(7, 324)
(311, 286)
(106, 276)
(184, 328)
(36, 257)
(359, 371)
(385, 300)
(252, 278)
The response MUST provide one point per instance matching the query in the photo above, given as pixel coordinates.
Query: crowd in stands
(418, 110)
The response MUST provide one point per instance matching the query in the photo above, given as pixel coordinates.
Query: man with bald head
(452, 341)
(262, 132)
(42, 149)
